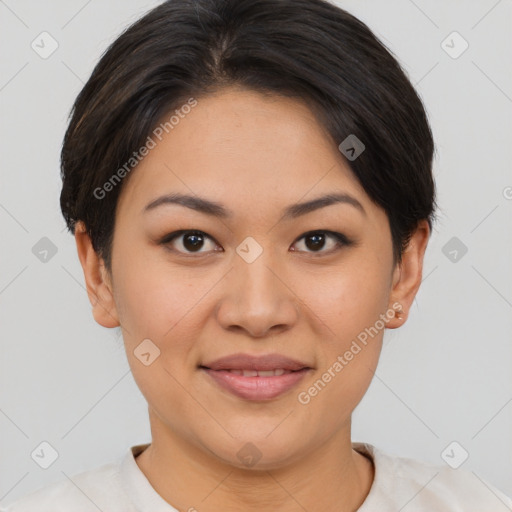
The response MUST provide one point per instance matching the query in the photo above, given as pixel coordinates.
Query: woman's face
(251, 283)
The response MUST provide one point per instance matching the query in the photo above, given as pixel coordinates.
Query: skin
(256, 155)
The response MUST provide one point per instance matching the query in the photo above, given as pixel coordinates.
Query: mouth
(256, 378)
(256, 373)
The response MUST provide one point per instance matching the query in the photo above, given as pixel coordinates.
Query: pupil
(196, 241)
(317, 243)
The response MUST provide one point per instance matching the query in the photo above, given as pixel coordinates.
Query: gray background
(445, 376)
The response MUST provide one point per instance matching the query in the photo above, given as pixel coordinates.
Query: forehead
(242, 147)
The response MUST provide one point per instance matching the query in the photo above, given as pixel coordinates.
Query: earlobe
(408, 275)
(98, 285)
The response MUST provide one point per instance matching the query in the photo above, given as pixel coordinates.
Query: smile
(256, 377)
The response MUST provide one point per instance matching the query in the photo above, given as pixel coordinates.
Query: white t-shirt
(400, 484)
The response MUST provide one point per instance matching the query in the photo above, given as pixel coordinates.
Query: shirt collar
(137, 486)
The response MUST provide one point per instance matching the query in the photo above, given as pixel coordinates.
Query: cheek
(164, 307)
(155, 300)
(349, 302)
(349, 344)
(346, 299)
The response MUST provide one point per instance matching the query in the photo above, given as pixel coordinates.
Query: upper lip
(260, 363)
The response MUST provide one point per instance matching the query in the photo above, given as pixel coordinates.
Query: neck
(332, 477)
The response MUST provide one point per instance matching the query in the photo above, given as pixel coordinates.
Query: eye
(192, 241)
(188, 242)
(315, 241)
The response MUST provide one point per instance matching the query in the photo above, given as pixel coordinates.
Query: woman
(250, 187)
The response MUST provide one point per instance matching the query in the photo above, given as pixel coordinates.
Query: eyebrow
(215, 209)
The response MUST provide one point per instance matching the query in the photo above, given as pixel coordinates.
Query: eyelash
(341, 241)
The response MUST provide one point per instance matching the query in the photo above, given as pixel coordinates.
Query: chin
(258, 451)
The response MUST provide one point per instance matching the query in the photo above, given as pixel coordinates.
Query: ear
(407, 275)
(97, 280)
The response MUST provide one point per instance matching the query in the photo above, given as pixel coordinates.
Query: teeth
(260, 373)
(266, 373)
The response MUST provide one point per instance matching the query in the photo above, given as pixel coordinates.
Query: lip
(256, 388)
(250, 362)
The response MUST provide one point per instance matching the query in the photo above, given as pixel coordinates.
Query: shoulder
(410, 484)
(89, 491)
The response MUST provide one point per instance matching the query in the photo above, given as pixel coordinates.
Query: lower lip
(256, 388)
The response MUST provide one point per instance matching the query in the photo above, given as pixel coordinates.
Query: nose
(258, 298)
